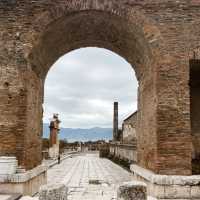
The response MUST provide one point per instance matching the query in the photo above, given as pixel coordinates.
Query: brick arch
(123, 18)
(55, 28)
(124, 31)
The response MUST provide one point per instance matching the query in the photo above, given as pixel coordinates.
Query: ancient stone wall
(124, 152)
(129, 129)
(156, 37)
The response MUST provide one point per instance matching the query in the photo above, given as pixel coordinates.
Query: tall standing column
(54, 141)
(115, 122)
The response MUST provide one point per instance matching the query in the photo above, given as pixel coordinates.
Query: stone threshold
(193, 180)
(23, 177)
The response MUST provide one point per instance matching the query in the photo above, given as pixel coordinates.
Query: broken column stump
(132, 191)
(53, 192)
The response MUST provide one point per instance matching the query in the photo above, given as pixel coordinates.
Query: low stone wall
(124, 151)
(165, 187)
(27, 183)
(104, 150)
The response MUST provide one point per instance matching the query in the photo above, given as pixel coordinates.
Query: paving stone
(78, 174)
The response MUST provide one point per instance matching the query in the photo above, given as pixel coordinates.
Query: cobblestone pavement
(89, 177)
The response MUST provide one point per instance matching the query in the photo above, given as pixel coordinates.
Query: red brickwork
(155, 36)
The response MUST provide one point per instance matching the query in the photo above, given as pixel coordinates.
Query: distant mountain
(79, 134)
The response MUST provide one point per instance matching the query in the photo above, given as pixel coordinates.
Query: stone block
(8, 165)
(195, 192)
(53, 192)
(156, 190)
(177, 192)
(132, 191)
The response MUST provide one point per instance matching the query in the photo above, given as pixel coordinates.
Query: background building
(129, 129)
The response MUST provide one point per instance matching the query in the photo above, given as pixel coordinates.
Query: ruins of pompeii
(156, 155)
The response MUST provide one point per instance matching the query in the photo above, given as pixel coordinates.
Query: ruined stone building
(129, 129)
(124, 143)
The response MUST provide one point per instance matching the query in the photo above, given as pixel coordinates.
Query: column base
(165, 187)
(27, 183)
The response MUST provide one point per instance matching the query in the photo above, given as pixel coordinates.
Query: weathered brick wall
(156, 37)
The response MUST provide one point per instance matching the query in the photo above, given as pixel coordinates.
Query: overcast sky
(83, 84)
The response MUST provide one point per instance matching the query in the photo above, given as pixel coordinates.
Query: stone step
(10, 196)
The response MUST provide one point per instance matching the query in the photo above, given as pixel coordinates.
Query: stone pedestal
(132, 191)
(54, 151)
(165, 187)
(8, 165)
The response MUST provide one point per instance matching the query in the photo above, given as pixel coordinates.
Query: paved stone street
(89, 177)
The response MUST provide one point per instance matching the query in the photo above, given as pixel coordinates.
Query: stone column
(132, 191)
(54, 141)
(115, 121)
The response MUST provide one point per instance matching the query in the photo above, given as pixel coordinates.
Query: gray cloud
(83, 84)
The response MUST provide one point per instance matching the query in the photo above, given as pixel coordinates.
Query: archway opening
(122, 36)
(81, 86)
(195, 113)
(130, 35)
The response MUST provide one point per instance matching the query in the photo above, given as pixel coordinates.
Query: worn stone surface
(89, 177)
(156, 37)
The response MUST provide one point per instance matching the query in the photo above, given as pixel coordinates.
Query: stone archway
(164, 143)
